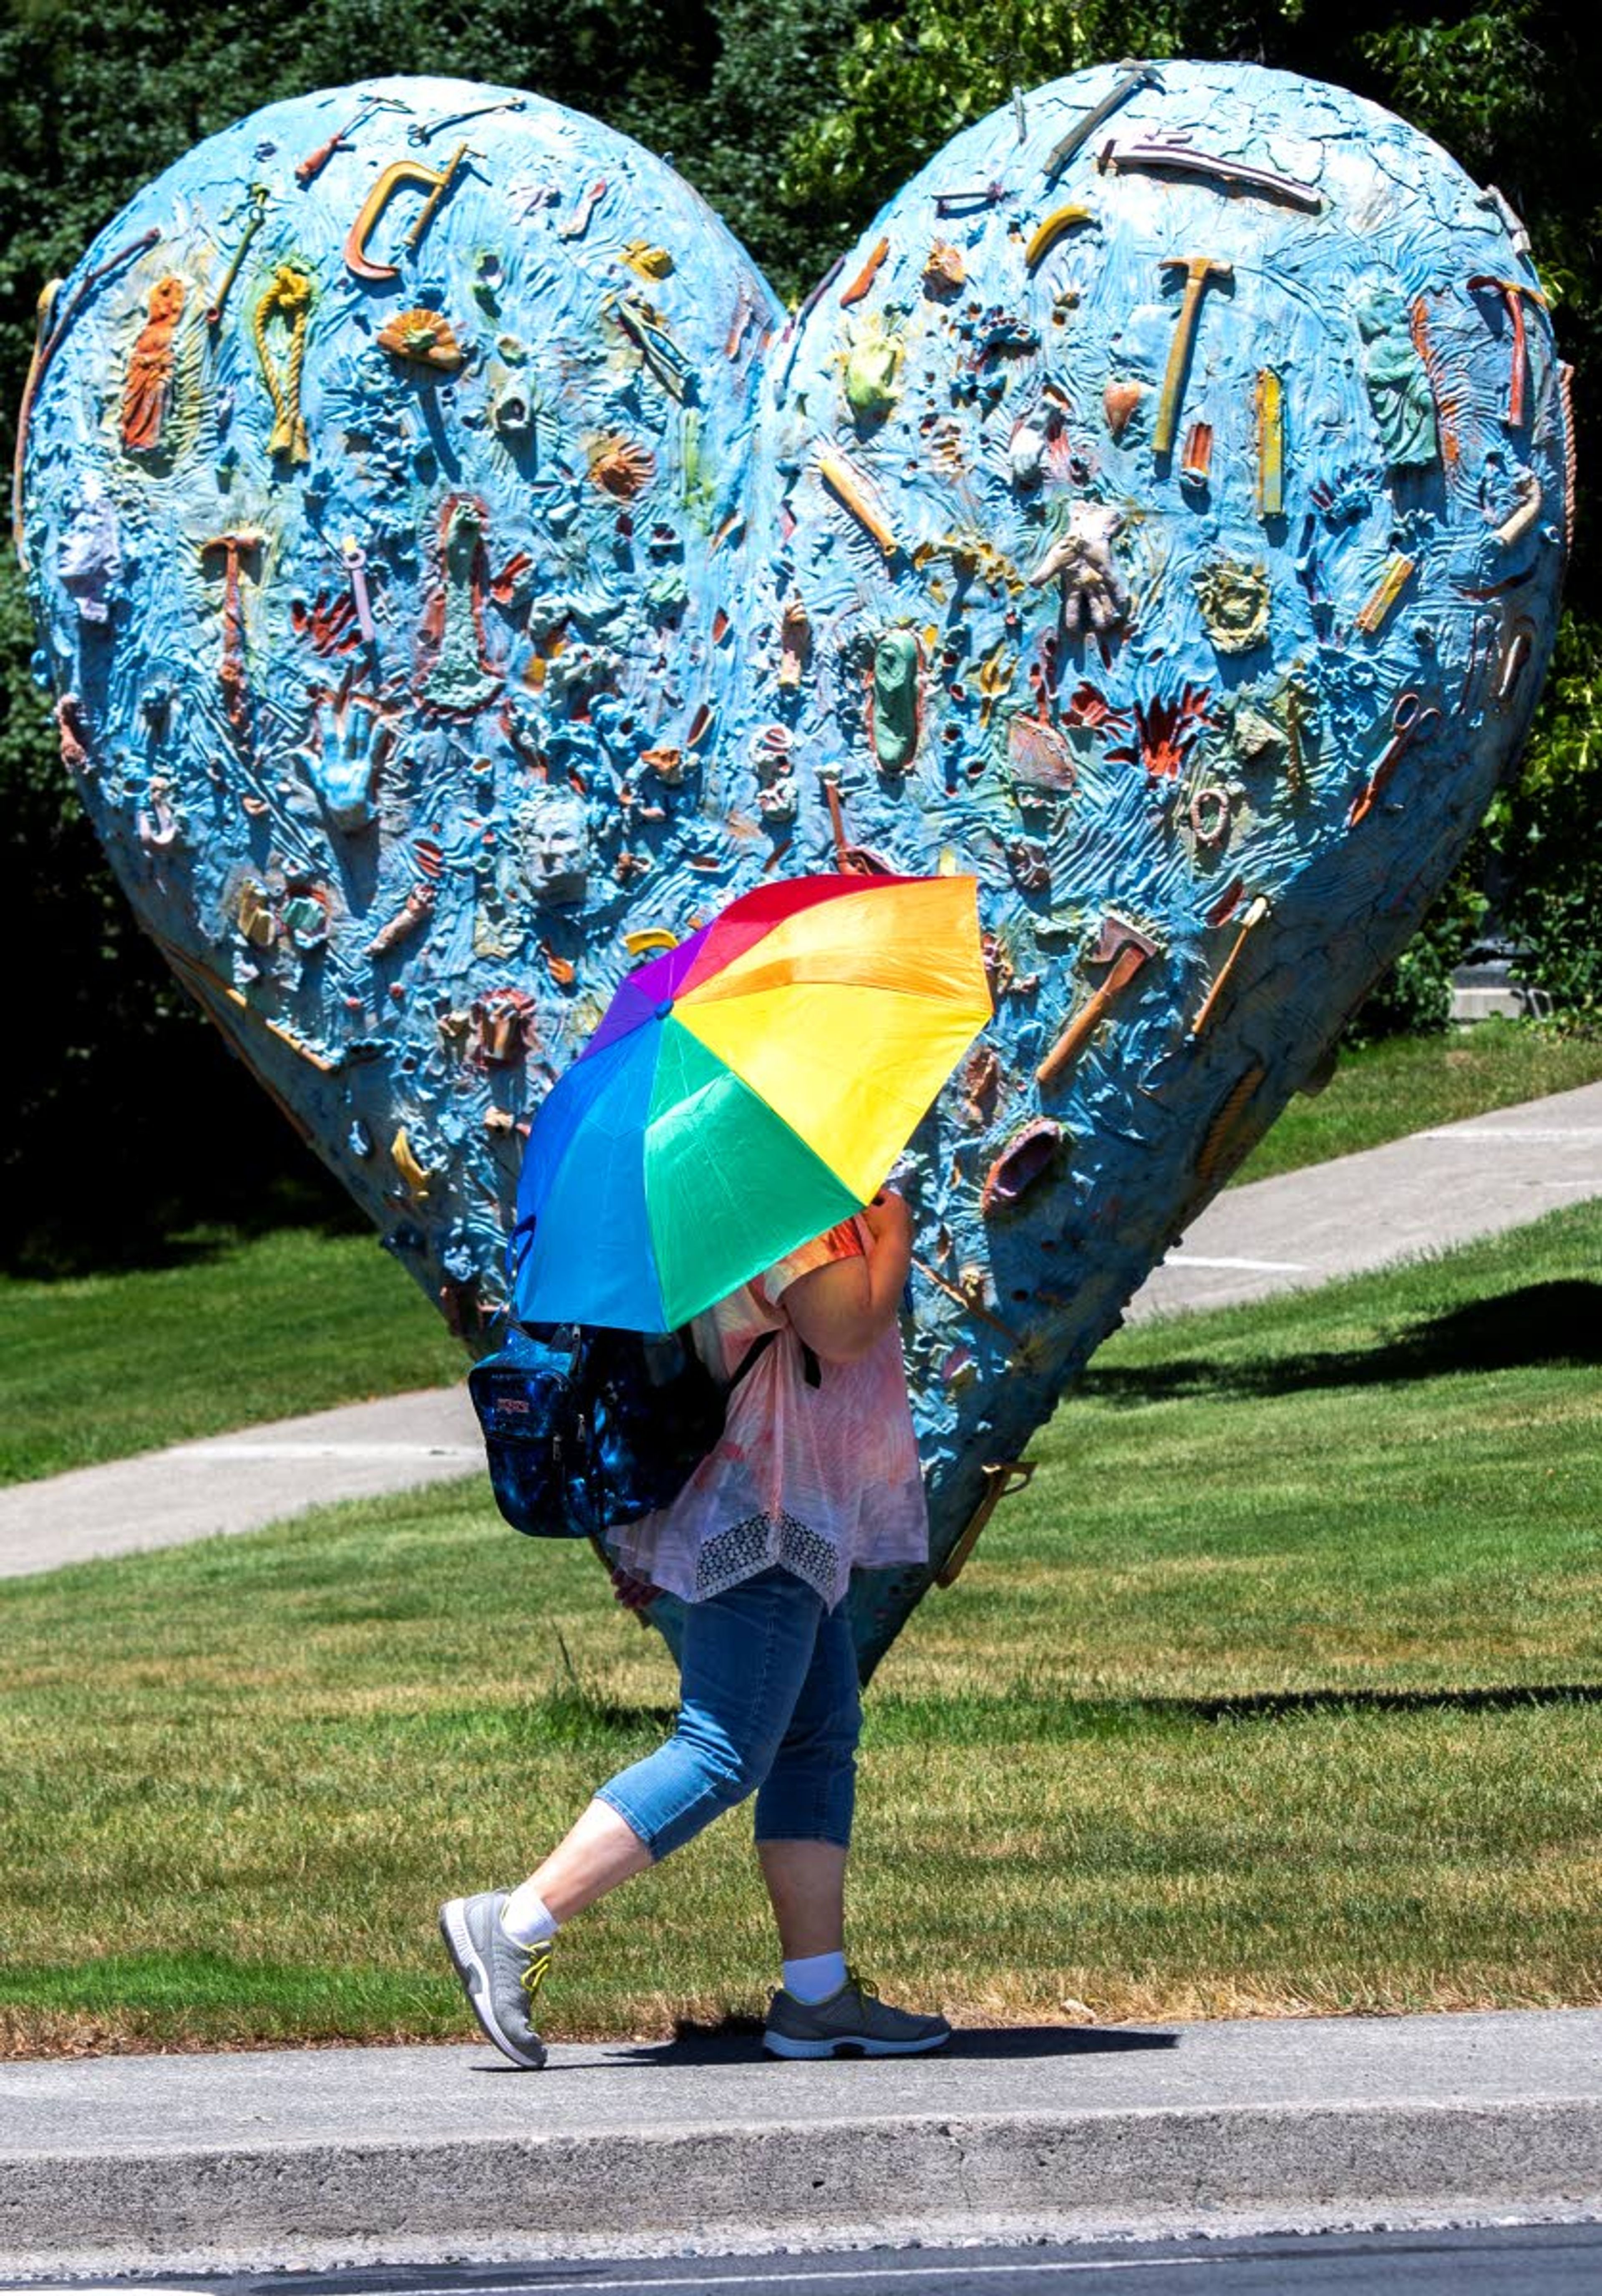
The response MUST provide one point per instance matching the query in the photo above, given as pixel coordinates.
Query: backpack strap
(809, 1363)
(748, 1361)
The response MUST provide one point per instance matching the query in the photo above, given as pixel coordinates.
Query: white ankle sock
(526, 1917)
(815, 1976)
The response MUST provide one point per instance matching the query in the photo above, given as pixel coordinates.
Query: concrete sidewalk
(240, 1481)
(1423, 1194)
(426, 2152)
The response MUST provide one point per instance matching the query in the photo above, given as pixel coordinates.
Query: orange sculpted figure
(149, 383)
(150, 366)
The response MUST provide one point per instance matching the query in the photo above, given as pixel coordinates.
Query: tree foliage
(795, 118)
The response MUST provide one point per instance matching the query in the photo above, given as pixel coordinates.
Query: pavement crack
(952, 2132)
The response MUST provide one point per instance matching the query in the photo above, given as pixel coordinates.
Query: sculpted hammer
(1513, 293)
(1198, 270)
(238, 546)
(1260, 909)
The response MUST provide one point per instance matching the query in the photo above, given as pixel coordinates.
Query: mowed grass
(96, 1367)
(244, 1331)
(1279, 1690)
(1383, 1090)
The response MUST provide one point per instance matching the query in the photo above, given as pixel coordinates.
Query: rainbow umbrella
(742, 1093)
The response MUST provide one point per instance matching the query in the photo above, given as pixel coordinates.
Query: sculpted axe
(1125, 950)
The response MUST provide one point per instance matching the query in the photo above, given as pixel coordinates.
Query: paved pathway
(238, 1482)
(293, 2155)
(1424, 1193)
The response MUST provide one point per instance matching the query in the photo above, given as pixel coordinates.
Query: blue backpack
(587, 1428)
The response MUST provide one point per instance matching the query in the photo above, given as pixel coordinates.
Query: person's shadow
(733, 2039)
(737, 2040)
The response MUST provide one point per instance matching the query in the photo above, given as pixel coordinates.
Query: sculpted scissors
(1411, 721)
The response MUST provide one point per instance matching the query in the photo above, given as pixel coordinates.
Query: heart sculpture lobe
(456, 578)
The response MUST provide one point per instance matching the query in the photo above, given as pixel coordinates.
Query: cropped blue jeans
(767, 1705)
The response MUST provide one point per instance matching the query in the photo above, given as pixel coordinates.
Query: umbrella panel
(590, 1259)
(755, 915)
(730, 1187)
(786, 1044)
(919, 935)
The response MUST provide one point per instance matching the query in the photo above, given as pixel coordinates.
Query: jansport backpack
(587, 1428)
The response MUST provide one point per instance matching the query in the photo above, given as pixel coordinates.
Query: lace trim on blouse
(757, 1544)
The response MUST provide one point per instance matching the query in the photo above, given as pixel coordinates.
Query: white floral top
(823, 1479)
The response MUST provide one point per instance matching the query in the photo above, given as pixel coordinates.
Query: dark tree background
(795, 118)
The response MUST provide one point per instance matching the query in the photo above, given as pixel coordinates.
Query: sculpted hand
(1095, 599)
(344, 759)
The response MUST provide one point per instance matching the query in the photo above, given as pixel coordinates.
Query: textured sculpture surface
(457, 576)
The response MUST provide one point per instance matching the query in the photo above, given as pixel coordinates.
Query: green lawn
(97, 1367)
(1408, 1084)
(94, 1367)
(1279, 1690)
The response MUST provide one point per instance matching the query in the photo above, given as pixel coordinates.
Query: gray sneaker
(854, 2018)
(501, 1977)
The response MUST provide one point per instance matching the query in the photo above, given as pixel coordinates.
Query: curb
(626, 2185)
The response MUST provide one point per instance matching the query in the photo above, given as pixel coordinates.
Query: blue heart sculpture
(457, 577)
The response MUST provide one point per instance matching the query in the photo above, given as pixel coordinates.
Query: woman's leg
(746, 1657)
(805, 1806)
(803, 1830)
(806, 1886)
(598, 1852)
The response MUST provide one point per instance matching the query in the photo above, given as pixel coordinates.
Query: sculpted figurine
(895, 693)
(148, 385)
(1398, 385)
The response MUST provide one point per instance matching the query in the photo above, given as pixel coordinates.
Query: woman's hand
(888, 1219)
(636, 1595)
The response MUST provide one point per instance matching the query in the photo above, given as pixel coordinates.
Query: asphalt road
(1551, 2260)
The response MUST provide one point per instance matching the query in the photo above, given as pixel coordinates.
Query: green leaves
(1474, 84)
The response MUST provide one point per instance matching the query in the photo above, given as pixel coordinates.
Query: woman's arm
(839, 1310)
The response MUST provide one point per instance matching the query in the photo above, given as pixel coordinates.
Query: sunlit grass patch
(234, 1332)
(1410, 1084)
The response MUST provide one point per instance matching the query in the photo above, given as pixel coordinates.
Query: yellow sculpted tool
(849, 487)
(1050, 229)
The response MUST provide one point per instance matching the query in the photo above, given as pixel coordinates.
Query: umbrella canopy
(742, 1093)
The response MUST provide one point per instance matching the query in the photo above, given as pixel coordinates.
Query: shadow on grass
(732, 2040)
(1284, 1705)
(90, 1244)
(1541, 1323)
(612, 1731)
(1001, 1722)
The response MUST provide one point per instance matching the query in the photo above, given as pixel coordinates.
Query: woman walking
(817, 1473)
